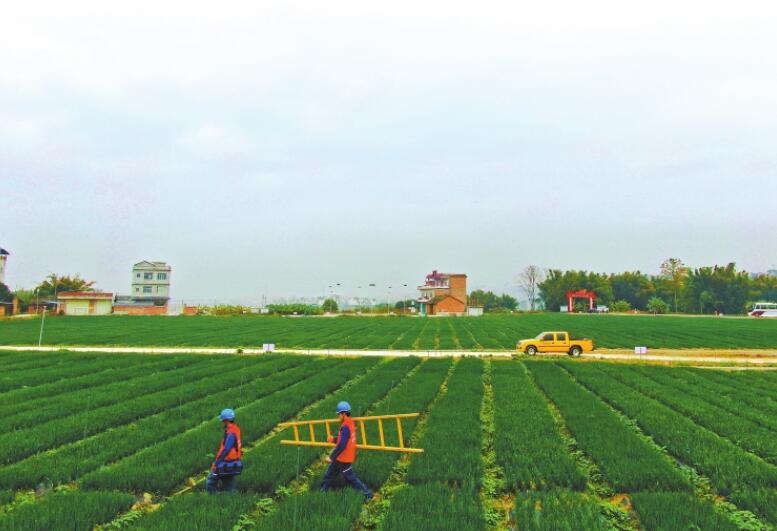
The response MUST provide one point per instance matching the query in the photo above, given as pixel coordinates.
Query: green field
(534, 444)
(491, 332)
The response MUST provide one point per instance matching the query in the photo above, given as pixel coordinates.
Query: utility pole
(42, 320)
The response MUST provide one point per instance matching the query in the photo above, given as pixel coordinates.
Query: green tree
(54, 284)
(329, 306)
(657, 305)
(553, 290)
(492, 302)
(633, 287)
(5, 293)
(676, 273)
(506, 302)
(620, 306)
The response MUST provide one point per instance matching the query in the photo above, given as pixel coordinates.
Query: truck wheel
(531, 350)
(575, 351)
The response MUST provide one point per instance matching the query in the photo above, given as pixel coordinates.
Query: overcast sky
(279, 147)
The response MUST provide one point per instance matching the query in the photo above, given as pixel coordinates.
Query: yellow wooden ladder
(300, 440)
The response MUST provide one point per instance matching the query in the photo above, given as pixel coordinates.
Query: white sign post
(640, 351)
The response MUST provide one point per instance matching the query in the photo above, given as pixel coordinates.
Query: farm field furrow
(197, 511)
(162, 466)
(29, 397)
(273, 464)
(745, 381)
(62, 369)
(443, 482)
(743, 433)
(306, 510)
(558, 510)
(20, 361)
(732, 471)
(66, 510)
(629, 463)
(669, 511)
(705, 410)
(83, 420)
(758, 408)
(104, 428)
(499, 332)
(69, 462)
(528, 445)
(146, 379)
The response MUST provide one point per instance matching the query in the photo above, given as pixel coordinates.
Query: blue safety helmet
(227, 414)
(343, 407)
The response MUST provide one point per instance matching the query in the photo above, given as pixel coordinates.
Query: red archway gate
(581, 294)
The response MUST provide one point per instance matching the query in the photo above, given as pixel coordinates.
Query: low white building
(85, 302)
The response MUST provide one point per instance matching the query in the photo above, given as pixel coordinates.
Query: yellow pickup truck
(555, 342)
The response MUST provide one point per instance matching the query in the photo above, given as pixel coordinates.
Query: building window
(137, 290)
(146, 289)
(148, 276)
(137, 275)
(161, 276)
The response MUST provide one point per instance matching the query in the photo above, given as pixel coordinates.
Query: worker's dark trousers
(346, 469)
(228, 483)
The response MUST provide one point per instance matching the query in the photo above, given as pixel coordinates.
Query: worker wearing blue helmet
(344, 454)
(228, 463)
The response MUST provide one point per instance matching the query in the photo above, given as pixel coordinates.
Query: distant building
(443, 294)
(3, 258)
(149, 291)
(85, 302)
(151, 280)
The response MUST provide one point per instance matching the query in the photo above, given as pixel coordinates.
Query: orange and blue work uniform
(343, 457)
(228, 462)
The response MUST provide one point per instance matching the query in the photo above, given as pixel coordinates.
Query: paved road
(735, 357)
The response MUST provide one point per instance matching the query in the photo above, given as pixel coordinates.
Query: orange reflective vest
(349, 454)
(236, 452)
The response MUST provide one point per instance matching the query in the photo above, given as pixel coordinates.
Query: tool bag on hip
(229, 468)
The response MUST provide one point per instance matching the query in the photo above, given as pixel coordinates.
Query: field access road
(700, 356)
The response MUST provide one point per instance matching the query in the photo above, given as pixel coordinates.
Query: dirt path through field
(700, 356)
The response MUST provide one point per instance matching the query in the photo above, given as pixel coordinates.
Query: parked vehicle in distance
(555, 342)
(763, 309)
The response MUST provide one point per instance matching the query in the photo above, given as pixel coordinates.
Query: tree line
(678, 288)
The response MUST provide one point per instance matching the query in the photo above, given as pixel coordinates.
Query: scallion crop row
(743, 432)
(160, 467)
(310, 509)
(66, 510)
(528, 445)
(730, 469)
(142, 380)
(629, 462)
(273, 464)
(452, 440)
(241, 387)
(78, 421)
(122, 368)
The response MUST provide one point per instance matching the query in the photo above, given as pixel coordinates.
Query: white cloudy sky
(278, 147)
